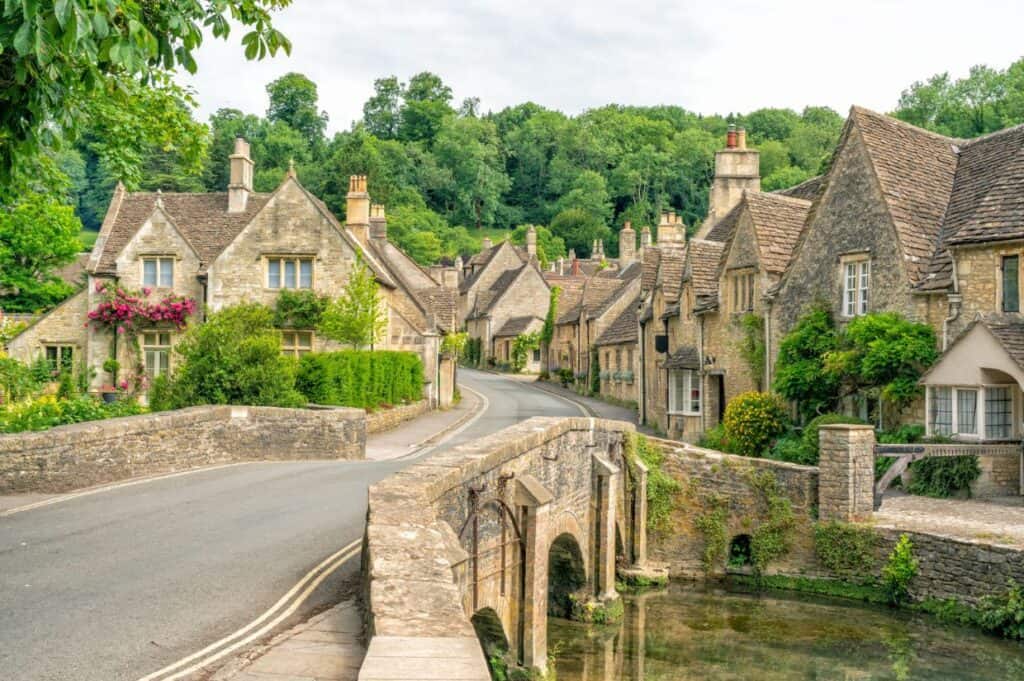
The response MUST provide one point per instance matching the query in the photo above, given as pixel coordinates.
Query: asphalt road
(117, 585)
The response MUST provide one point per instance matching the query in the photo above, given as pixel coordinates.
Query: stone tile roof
(778, 221)
(651, 262)
(808, 190)
(443, 303)
(202, 219)
(684, 357)
(586, 300)
(701, 268)
(724, 228)
(1009, 331)
(670, 271)
(915, 169)
(623, 329)
(516, 326)
(483, 258)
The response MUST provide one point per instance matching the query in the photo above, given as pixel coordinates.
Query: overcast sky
(709, 56)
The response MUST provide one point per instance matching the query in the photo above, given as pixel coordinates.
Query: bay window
(973, 411)
(684, 392)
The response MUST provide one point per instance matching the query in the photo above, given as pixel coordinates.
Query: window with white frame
(59, 356)
(156, 346)
(296, 343)
(856, 286)
(684, 392)
(289, 272)
(158, 272)
(971, 411)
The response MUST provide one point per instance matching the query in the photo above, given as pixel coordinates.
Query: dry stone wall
(386, 419)
(96, 452)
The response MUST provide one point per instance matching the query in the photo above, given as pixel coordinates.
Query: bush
(752, 421)
(17, 380)
(661, 487)
(899, 570)
(847, 550)
(810, 436)
(1003, 614)
(299, 309)
(943, 476)
(792, 449)
(48, 412)
(714, 438)
(233, 358)
(361, 378)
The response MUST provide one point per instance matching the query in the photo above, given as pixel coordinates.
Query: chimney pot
(357, 208)
(730, 137)
(741, 138)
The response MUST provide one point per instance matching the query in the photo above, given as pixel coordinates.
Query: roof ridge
(910, 126)
(772, 196)
(991, 135)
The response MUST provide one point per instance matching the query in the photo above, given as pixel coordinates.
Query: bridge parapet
(470, 530)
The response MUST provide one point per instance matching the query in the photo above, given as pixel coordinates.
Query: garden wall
(96, 452)
(386, 419)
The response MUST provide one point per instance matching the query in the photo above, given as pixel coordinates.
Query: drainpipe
(642, 336)
(768, 346)
(703, 373)
(954, 300)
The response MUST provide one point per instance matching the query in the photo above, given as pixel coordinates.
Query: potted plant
(109, 391)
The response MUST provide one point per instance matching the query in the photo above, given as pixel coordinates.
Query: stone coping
(409, 553)
(735, 458)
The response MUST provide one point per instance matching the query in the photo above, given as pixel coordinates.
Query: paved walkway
(998, 521)
(593, 406)
(412, 436)
(328, 647)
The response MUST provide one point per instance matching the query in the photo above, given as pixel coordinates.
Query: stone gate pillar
(639, 528)
(608, 475)
(846, 480)
(535, 500)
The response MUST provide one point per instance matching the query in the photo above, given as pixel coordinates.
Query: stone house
(221, 249)
(619, 355)
(517, 293)
(482, 270)
(506, 336)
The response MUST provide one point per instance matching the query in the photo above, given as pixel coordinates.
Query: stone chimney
(240, 182)
(378, 222)
(561, 266)
(645, 237)
(531, 241)
(737, 169)
(627, 245)
(575, 267)
(671, 230)
(486, 243)
(357, 210)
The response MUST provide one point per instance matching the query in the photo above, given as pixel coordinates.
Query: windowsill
(684, 413)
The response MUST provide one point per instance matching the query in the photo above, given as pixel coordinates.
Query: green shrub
(232, 358)
(714, 438)
(811, 433)
(1003, 614)
(903, 435)
(847, 550)
(899, 571)
(566, 377)
(361, 378)
(48, 412)
(17, 380)
(943, 476)
(792, 449)
(753, 420)
(299, 309)
(661, 487)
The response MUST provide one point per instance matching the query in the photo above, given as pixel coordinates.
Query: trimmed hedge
(361, 378)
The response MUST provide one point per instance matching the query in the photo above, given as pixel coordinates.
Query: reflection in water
(713, 635)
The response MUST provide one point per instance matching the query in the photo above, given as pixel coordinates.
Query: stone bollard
(846, 479)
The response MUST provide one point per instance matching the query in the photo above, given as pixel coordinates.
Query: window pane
(165, 339)
(967, 411)
(149, 272)
(942, 411)
(850, 290)
(166, 272)
(305, 274)
(304, 339)
(274, 273)
(289, 274)
(750, 292)
(998, 413)
(288, 339)
(1011, 283)
(865, 278)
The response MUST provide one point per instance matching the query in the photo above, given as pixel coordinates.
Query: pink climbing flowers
(126, 311)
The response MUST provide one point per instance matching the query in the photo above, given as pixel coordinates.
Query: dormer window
(289, 272)
(856, 285)
(158, 272)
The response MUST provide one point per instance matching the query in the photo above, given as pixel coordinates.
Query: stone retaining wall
(97, 452)
(386, 419)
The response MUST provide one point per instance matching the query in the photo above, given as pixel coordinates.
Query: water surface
(688, 633)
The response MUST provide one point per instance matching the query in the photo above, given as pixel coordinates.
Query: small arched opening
(566, 574)
(740, 555)
(492, 637)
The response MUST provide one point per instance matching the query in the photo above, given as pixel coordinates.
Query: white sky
(705, 55)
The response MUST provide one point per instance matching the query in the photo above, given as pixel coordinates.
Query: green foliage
(293, 101)
(60, 58)
(474, 351)
(358, 317)
(715, 438)
(566, 377)
(549, 246)
(522, 345)
(17, 380)
(595, 372)
(548, 332)
(810, 437)
(1003, 614)
(662, 489)
(299, 309)
(579, 229)
(48, 412)
(847, 550)
(596, 612)
(9, 330)
(711, 523)
(943, 476)
(37, 235)
(899, 570)
(359, 378)
(752, 421)
(454, 344)
(800, 374)
(234, 357)
(752, 347)
(883, 352)
(772, 538)
(905, 434)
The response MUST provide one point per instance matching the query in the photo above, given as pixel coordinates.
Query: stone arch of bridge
(567, 575)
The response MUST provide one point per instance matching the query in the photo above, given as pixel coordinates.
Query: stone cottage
(619, 355)
(220, 249)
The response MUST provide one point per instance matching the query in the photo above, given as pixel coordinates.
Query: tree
(293, 101)
(783, 178)
(579, 229)
(468, 149)
(427, 105)
(589, 193)
(61, 57)
(800, 374)
(382, 112)
(37, 235)
(549, 246)
(358, 317)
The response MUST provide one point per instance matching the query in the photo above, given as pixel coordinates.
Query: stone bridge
(487, 537)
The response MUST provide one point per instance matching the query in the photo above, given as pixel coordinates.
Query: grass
(88, 238)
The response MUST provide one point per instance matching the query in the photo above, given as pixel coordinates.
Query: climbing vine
(522, 345)
(847, 550)
(772, 539)
(711, 523)
(548, 332)
(752, 347)
(662, 489)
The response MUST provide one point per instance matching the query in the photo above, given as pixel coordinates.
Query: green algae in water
(686, 632)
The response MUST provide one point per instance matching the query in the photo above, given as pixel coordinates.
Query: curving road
(116, 585)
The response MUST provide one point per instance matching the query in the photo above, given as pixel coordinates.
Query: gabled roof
(670, 271)
(443, 303)
(481, 260)
(623, 329)
(1006, 329)
(808, 190)
(516, 326)
(915, 170)
(202, 219)
(590, 298)
(778, 221)
(649, 268)
(684, 357)
(702, 265)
